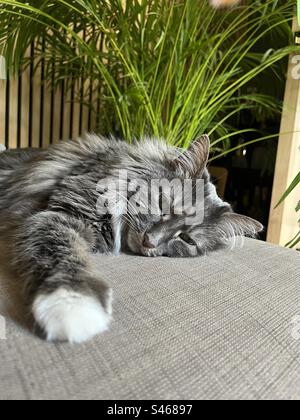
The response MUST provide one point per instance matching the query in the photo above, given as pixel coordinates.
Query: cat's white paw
(70, 316)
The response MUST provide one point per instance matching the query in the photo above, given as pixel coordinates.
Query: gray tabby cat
(49, 212)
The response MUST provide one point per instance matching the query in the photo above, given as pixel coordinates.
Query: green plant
(296, 240)
(170, 68)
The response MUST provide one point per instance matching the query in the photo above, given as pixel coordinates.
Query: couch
(225, 326)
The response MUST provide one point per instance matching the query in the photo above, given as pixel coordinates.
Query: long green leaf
(169, 68)
(294, 242)
(291, 188)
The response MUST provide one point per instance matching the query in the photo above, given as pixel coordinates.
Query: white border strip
(2, 68)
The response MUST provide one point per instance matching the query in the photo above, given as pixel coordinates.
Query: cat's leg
(67, 299)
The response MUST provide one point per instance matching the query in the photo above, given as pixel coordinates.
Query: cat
(56, 212)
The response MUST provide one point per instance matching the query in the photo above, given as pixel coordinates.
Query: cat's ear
(240, 225)
(194, 160)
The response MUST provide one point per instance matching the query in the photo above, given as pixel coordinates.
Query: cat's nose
(149, 242)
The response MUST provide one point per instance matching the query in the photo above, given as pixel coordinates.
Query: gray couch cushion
(218, 327)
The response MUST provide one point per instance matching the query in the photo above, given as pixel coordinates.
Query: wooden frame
(283, 224)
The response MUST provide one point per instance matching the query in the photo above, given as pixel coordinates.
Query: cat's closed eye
(187, 239)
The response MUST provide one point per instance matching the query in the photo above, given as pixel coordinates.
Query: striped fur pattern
(48, 209)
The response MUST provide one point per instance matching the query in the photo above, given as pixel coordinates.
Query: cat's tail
(2, 148)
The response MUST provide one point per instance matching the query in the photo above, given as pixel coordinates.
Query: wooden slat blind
(32, 114)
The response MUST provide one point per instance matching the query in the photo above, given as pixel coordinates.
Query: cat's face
(205, 223)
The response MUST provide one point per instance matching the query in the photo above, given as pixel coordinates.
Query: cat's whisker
(131, 225)
(128, 204)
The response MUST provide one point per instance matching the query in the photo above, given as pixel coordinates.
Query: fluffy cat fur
(48, 209)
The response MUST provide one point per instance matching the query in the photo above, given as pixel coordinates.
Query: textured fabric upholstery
(217, 327)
